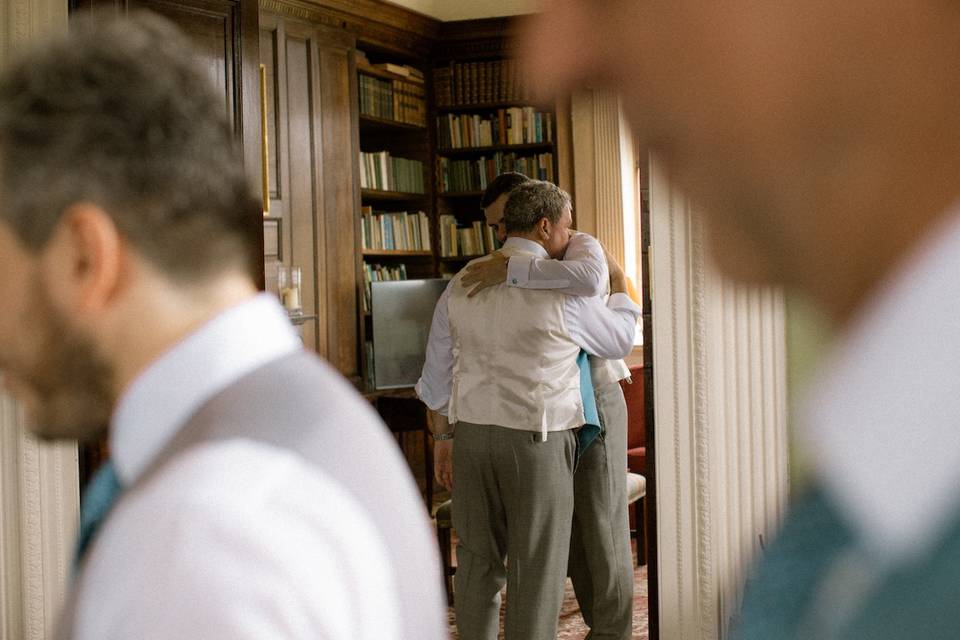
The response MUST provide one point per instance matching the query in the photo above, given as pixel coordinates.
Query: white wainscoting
(721, 420)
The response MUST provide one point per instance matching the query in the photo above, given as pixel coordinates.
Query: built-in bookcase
(395, 167)
(433, 131)
(485, 126)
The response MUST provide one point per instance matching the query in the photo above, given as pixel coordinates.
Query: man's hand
(612, 265)
(443, 462)
(485, 273)
(618, 279)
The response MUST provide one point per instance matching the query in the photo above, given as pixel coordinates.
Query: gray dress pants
(512, 511)
(601, 563)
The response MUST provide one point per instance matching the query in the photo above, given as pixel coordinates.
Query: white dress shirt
(606, 331)
(882, 422)
(582, 272)
(254, 542)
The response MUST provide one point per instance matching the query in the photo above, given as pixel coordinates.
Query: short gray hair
(531, 201)
(121, 115)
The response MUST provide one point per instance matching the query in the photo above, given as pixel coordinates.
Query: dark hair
(122, 115)
(503, 183)
(532, 201)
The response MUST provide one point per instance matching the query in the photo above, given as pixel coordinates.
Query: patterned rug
(571, 623)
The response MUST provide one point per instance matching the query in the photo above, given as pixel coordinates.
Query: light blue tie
(591, 427)
(98, 499)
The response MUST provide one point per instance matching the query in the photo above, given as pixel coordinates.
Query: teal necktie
(591, 427)
(98, 499)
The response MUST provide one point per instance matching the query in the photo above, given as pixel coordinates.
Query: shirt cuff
(623, 301)
(518, 270)
(433, 401)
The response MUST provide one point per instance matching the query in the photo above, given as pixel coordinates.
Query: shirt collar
(174, 386)
(529, 246)
(882, 424)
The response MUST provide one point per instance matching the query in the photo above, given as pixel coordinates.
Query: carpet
(571, 623)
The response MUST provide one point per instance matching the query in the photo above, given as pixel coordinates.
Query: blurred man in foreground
(821, 142)
(250, 493)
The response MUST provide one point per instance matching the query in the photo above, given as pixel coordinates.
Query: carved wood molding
(706, 584)
(719, 383)
(391, 27)
(486, 38)
(386, 26)
(40, 503)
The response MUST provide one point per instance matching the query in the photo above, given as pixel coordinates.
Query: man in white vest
(601, 561)
(502, 367)
(250, 491)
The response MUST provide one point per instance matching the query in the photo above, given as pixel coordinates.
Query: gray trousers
(513, 500)
(601, 563)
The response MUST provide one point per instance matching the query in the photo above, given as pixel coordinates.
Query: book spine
(425, 231)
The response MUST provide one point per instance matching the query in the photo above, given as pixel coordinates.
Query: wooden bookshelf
(462, 258)
(372, 124)
(401, 139)
(483, 106)
(478, 96)
(535, 146)
(396, 196)
(370, 70)
(395, 253)
(462, 194)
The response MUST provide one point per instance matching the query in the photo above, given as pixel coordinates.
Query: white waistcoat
(514, 363)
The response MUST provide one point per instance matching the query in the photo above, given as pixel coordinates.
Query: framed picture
(272, 243)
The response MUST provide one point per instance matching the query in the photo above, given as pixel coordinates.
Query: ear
(544, 227)
(83, 259)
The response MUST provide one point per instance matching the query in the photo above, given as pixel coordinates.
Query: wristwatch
(442, 436)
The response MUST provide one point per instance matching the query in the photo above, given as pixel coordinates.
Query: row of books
(466, 83)
(477, 239)
(399, 231)
(514, 125)
(396, 100)
(379, 170)
(476, 174)
(378, 273)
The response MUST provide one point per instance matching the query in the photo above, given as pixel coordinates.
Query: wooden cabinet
(311, 129)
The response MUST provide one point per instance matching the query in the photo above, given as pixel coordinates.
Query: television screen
(402, 311)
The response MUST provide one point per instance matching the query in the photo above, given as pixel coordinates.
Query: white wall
(469, 9)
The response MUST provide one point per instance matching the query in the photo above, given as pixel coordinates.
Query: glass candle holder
(288, 286)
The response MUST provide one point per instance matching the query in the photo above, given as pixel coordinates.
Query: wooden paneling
(314, 191)
(388, 26)
(302, 209)
(268, 58)
(339, 163)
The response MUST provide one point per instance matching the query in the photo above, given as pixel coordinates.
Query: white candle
(291, 299)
